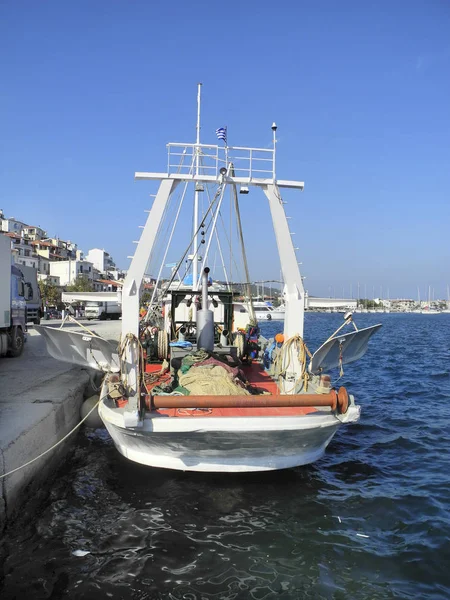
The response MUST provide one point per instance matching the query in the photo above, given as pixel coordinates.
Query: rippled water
(370, 520)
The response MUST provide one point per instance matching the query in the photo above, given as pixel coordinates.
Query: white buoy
(93, 419)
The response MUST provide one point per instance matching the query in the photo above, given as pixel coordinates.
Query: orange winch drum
(331, 399)
(342, 401)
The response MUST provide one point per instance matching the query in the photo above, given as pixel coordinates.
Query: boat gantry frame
(248, 165)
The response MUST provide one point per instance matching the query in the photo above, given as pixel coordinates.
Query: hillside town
(59, 264)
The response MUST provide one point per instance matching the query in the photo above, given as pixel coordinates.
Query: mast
(197, 163)
(274, 131)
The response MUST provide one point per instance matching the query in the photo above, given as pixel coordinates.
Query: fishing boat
(193, 385)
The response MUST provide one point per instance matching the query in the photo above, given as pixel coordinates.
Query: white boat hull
(225, 444)
(273, 315)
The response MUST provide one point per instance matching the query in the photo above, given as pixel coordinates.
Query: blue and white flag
(222, 134)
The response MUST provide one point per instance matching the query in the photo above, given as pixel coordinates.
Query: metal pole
(274, 130)
(195, 240)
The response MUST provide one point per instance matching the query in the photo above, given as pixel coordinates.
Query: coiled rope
(283, 360)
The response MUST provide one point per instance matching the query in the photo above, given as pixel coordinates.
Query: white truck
(13, 296)
(97, 305)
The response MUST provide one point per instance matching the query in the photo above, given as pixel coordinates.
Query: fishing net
(211, 379)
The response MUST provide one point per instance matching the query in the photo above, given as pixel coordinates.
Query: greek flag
(222, 134)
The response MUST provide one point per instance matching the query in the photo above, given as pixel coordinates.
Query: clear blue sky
(91, 91)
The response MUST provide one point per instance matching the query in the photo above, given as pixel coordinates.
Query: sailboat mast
(196, 196)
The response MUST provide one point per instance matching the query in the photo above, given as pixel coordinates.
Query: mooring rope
(54, 445)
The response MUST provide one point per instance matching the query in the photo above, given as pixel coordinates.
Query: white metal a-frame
(252, 167)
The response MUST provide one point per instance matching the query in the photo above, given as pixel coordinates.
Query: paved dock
(40, 403)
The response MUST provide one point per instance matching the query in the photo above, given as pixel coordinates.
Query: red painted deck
(257, 376)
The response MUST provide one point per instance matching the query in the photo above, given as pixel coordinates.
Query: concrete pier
(40, 400)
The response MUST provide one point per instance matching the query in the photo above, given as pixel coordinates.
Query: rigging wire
(213, 229)
(244, 255)
(206, 227)
(180, 262)
(167, 245)
(218, 240)
(230, 246)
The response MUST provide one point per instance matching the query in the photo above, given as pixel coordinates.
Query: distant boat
(430, 311)
(264, 311)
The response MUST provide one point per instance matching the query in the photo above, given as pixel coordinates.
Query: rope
(54, 445)
(183, 412)
(129, 338)
(70, 318)
(281, 366)
(163, 345)
(239, 342)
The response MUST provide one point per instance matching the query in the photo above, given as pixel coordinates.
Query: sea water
(368, 521)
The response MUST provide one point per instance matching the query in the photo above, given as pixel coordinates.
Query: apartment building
(69, 270)
(22, 251)
(101, 260)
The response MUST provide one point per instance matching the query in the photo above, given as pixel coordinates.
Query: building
(48, 279)
(117, 274)
(101, 260)
(69, 270)
(11, 225)
(34, 233)
(312, 303)
(55, 249)
(22, 251)
(59, 262)
(109, 285)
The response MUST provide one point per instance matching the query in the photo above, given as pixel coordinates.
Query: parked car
(53, 314)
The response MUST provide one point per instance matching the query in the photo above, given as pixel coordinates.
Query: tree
(81, 284)
(50, 294)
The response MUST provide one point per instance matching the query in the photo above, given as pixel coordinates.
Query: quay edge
(31, 424)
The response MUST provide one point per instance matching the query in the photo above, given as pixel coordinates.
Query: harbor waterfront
(369, 520)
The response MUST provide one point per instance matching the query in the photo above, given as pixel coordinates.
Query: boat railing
(247, 163)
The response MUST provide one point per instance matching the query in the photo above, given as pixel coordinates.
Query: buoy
(279, 338)
(93, 419)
